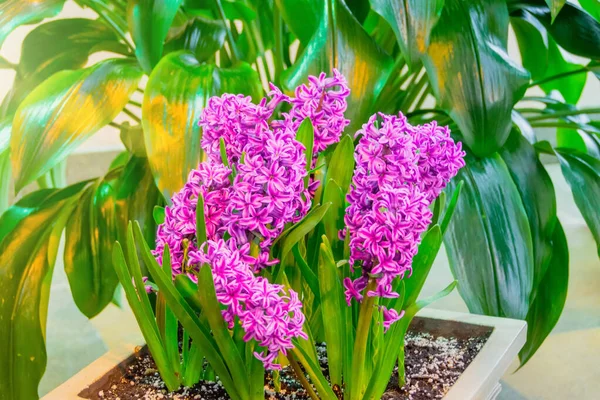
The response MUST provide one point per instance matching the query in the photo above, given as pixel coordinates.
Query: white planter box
(480, 381)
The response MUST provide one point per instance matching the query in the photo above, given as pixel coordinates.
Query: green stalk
(565, 113)
(556, 124)
(58, 175)
(278, 51)
(360, 345)
(132, 115)
(45, 181)
(559, 76)
(234, 51)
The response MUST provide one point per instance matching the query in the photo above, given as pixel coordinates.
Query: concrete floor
(565, 367)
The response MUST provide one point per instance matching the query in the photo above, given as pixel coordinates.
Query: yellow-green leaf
(177, 91)
(64, 111)
(14, 13)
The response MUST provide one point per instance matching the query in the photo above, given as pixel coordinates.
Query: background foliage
(429, 59)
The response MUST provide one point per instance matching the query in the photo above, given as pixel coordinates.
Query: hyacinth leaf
(546, 308)
(489, 242)
(158, 214)
(411, 21)
(422, 263)
(64, 111)
(332, 307)
(211, 309)
(27, 255)
(176, 93)
(451, 206)
(90, 234)
(202, 36)
(346, 46)
(187, 317)
(5, 171)
(537, 193)
(168, 326)
(149, 22)
(301, 229)
(14, 13)
(189, 290)
(57, 46)
(573, 29)
(303, 28)
(582, 172)
(137, 297)
(341, 166)
(306, 135)
(468, 65)
(200, 221)
(438, 205)
(394, 341)
(312, 369)
(308, 275)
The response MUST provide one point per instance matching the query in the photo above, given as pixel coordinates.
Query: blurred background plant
(430, 59)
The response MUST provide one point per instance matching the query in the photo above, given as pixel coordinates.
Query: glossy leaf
(14, 13)
(27, 256)
(202, 36)
(304, 28)
(64, 111)
(570, 86)
(91, 232)
(468, 67)
(537, 194)
(573, 29)
(149, 22)
(346, 46)
(592, 7)
(488, 241)
(177, 91)
(532, 39)
(412, 22)
(21, 209)
(56, 46)
(582, 172)
(5, 172)
(546, 308)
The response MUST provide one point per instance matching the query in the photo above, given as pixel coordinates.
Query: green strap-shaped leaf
(5, 172)
(422, 263)
(488, 240)
(56, 46)
(27, 256)
(546, 308)
(14, 13)
(90, 235)
(411, 21)
(177, 91)
(582, 172)
(341, 42)
(202, 36)
(304, 28)
(149, 22)
(64, 111)
(468, 66)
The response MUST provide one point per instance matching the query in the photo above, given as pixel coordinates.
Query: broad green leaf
(64, 111)
(202, 36)
(592, 7)
(524, 126)
(306, 136)
(346, 46)
(573, 29)
(14, 13)
(149, 22)
(555, 7)
(582, 172)
(56, 46)
(488, 240)
(570, 86)
(177, 91)
(468, 66)
(5, 64)
(532, 39)
(25, 206)
(304, 28)
(333, 307)
(537, 194)
(27, 256)
(549, 302)
(91, 232)
(412, 22)
(5, 172)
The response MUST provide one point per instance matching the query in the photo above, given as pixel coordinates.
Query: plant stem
(301, 377)
(566, 113)
(132, 115)
(425, 111)
(135, 103)
(559, 76)
(58, 174)
(556, 124)
(234, 52)
(278, 51)
(360, 344)
(115, 125)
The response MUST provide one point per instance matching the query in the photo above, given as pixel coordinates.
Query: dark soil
(436, 354)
